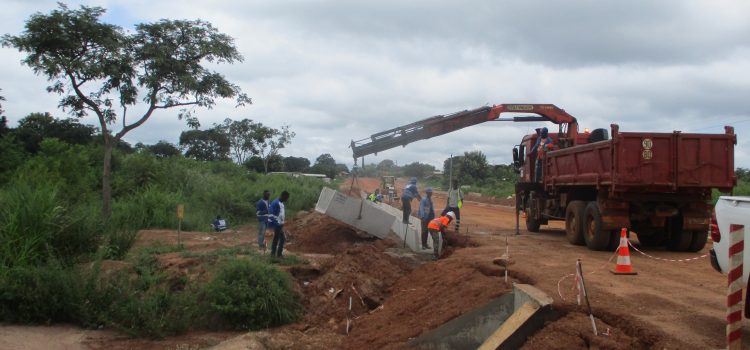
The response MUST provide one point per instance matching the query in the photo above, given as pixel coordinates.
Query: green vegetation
(53, 239)
(253, 295)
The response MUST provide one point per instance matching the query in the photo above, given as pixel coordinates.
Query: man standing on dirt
(276, 221)
(261, 210)
(410, 191)
(437, 231)
(426, 213)
(454, 203)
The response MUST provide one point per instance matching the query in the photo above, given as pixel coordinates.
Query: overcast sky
(342, 70)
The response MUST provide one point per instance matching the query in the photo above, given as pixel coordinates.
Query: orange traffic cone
(623, 266)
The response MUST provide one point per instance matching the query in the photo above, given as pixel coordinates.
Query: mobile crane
(656, 184)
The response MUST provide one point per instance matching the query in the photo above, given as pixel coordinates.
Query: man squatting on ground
(426, 213)
(437, 231)
(410, 191)
(455, 197)
(276, 221)
(261, 210)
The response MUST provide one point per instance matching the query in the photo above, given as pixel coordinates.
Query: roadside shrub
(40, 294)
(35, 226)
(252, 295)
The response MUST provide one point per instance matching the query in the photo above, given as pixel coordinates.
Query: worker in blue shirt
(426, 213)
(410, 191)
(276, 221)
(261, 211)
(543, 144)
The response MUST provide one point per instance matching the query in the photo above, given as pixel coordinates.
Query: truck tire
(595, 237)
(677, 240)
(698, 241)
(532, 225)
(574, 222)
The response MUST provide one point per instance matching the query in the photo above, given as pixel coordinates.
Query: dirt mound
(425, 299)
(364, 272)
(574, 331)
(316, 233)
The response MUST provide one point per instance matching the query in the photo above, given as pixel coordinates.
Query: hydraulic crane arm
(443, 124)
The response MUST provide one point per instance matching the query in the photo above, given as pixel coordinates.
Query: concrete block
(364, 215)
(377, 219)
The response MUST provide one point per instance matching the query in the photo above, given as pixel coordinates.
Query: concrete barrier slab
(503, 323)
(364, 215)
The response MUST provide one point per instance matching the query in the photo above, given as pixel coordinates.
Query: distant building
(296, 174)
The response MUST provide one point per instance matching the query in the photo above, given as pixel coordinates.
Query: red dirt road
(684, 300)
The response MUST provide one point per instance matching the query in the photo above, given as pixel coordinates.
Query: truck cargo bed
(646, 162)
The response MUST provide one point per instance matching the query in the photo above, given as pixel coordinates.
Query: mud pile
(426, 298)
(312, 232)
(574, 331)
(364, 273)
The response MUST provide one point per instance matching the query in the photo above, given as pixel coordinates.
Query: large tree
(101, 69)
(35, 127)
(325, 164)
(242, 138)
(296, 164)
(208, 145)
(269, 141)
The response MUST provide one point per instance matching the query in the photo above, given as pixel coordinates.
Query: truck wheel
(678, 240)
(595, 237)
(532, 225)
(574, 222)
(698, 241)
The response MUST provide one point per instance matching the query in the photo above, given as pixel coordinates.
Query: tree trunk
(265, 165)
(107, 178)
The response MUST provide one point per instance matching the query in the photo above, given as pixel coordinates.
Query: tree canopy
(207, 145)
(99, 68)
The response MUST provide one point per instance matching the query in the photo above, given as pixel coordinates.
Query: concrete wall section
(364, 215)
(377, 219)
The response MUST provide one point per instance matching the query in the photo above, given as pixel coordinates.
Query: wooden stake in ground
(349, 315)
(180, 216)
(579, 270)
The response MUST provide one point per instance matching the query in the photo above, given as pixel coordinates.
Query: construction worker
(261, 211)
(375, 196)
(455, 202)
(426, 213)
(219, 224)
(276, 221)
(410, 191)
(436, 227)
(543, 144)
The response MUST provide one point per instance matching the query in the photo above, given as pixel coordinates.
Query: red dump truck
(656, 184)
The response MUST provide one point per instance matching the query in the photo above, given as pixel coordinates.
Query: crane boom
(443, 124)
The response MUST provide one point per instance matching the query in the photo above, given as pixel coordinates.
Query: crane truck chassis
(656, 184)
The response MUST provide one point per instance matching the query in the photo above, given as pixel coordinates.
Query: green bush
(252, 295)
(36, 226)
(40, 294)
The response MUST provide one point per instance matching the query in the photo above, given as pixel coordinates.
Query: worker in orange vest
(437, 227)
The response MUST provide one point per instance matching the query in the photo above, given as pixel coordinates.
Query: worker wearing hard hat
(436, 227)
(542, 145)
(410, 191)
(426, 213)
